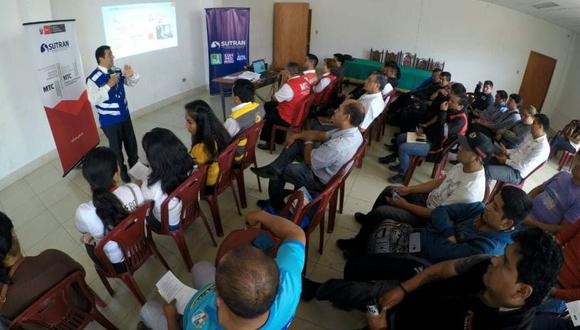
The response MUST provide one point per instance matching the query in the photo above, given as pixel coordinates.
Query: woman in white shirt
(327, 77)
(170, 164)
(109, 206)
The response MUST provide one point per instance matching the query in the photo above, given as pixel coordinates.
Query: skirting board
(53, 155)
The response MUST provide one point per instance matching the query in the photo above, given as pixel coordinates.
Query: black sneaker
(309, 289)
(388, 159)
(397, 179)
(263, 203)
(264, 172)
(395, 167)
(359, 217)
(264, 146)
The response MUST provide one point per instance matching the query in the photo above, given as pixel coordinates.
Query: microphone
(115, 71)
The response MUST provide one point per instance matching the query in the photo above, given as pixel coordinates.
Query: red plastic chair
(225, 180)
(499, 185)
(437, 167)
(300, 116)
(320, 203)
(188, 193)
(252, 134)
(55, 310)
(328, 94)
(136, 246)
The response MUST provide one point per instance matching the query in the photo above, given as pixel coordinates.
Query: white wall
(478, 40)
(569, 103)
(24, 131)
(161, 71)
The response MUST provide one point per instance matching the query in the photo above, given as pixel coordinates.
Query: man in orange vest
(281, 110)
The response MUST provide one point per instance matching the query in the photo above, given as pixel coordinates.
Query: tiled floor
(42, 207)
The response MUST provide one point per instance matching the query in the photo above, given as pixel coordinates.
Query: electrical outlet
(183, 79)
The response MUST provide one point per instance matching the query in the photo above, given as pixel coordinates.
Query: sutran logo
(53, 46)
(228, 44)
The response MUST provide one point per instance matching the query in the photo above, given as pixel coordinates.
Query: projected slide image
(140, 28)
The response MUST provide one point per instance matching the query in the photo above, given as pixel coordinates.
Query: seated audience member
(372, 100)
(25, 279)
(170, 165)
(512, 165)
(110, 204)
(501, 120)
(568, 139)
(327, 77)
(248, 290)
(245, 114)
(433, 89)
(464, 183)
(478, 292)
(310, 63)
(483, 98)
(512, 137)
(340, 70)
(499, 105)
(393, 74)
(433, 80)
(209, 138)
(316, 166)
(455, 231)
(450, 122)
(556, 202)
(281, 110)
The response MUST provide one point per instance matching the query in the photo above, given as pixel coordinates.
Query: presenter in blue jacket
(106, 91)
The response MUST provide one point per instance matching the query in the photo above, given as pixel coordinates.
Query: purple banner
(228, 39)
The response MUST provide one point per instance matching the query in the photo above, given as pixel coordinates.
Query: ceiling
(566, 14)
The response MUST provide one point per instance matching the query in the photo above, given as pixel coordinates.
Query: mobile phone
(373, 307)
(394, 195)
(263, 242)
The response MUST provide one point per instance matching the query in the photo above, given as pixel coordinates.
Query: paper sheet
(170, 287)
(574, 310)
(139, 171)
(412, 138)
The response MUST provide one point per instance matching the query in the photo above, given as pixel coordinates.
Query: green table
(359, 69)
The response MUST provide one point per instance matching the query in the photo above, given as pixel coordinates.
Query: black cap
(478, 143)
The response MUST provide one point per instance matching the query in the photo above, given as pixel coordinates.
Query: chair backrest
(132, 240)
(323, 98)
(293, 207)
(302, 110)
(225, 161)
(55, 309)
(409, 59)
(391, 57)
(252, 135)
(423, 63)
(188, 193)
(241, 237)
(376, 55)
(437, 65)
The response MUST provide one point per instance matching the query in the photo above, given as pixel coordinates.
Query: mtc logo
(67, 76)
(48, 88)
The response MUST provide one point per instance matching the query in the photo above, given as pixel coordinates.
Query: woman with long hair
(208, 137)
(170, 165)
(110, 202)
(25, 279)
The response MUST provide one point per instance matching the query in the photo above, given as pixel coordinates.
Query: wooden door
(291, 33)
(537, 78)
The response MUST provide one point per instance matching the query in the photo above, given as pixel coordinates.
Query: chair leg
(306, 248)
(158, 255)
(342, 188)
(130, 282)
(332, 211)
(183, 249)
(239, 174)
(206, 224)
(563, 160)
(321, 242)
(257, 177)
(236, 199)
(105, 282)
(413, 164)
(272, 138)
(102, 320)
(98, 300)
(215, 214)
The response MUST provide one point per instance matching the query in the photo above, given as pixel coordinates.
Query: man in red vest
(281, 110)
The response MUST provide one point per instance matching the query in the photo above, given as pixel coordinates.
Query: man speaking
(106, 90)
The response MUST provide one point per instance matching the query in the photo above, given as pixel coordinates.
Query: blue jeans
(559, 142)
(406, 150)
(298, 174)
